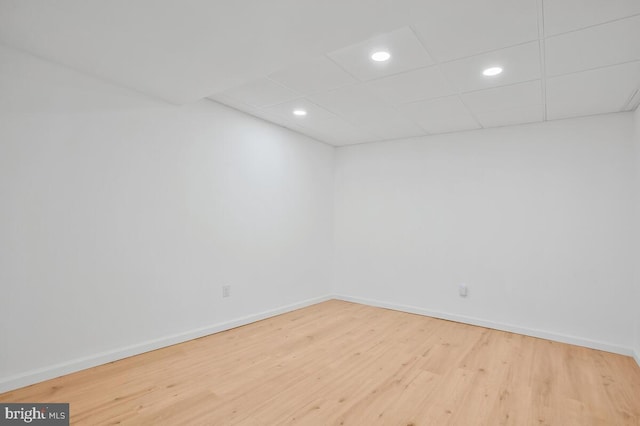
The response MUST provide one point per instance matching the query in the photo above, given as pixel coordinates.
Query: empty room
(318, 212)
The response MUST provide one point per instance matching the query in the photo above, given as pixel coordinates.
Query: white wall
(121, 217)
(535, 219)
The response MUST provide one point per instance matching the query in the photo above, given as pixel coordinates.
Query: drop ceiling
(560, 58)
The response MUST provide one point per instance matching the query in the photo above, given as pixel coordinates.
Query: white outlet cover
(462, 289)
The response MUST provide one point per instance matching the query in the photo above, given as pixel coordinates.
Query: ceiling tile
(592, 92)
(441, 115)
(316, 75)
(406, 51)
(318, 124)
(594, 47)
(505, 97)
(285, 109)
(421, 84)
(511, 116)
(591, 46)
(260, 93)
(520, 63)
(391, 126)
(359, 106)
(337, 131)
(183, 51)
(567, 15)
(353, 102)
(456, 29)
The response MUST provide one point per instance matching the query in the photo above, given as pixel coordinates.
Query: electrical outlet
(226, 291)
(463, 290)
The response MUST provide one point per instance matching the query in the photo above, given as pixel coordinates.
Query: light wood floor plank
(340, 363)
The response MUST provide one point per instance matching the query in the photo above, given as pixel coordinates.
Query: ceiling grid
(559, 58)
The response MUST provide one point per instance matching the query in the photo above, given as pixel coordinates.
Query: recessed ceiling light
(299, 112)
(490, 72)
(381, 56)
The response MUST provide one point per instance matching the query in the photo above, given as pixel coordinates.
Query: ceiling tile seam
(532, 123)
(631, 102)
(318, 92)
(400, 114)
(386, 75)
(445, 133)
(361, 127)
(326, 55)
(632, 98)
(436, 98)
(415, 34)
(542, 59)
(510, 108)
(461, 131)
(457, 90)
(286, 126)
(395, 74)
(340, 117)
(358, 126)
(358, 82)
(384, 101)
(262, 108)
(484, 52)
(593, 68)
(298, 94)
(403, 115)
(300, 126)
(269, 122)
(392, 105)
(570, 116)
(305, 98)
(309, 128)
(501, 126)
(422, 43)
(500, 86)
(305, 94)
(473, 115)
(634, 101)
(467, 92)
(401, 138)
(594, 25)
(424, 131)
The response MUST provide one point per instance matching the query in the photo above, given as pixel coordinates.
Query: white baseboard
(573, 340)
(50, 372)
(57, 370)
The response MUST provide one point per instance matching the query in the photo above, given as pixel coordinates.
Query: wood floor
(339, 363)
